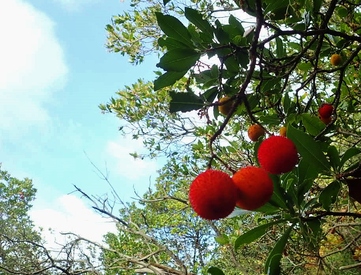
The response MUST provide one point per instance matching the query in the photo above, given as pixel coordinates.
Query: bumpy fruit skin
(224, 109)
(277, 155)
(325, 110)
(255, 187)
(326, 120)
(213, 195)
(283, 131)
(255, 131)
(336, 59)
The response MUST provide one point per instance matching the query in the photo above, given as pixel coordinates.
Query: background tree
(272, 60)
(22, 249)
(15, 225)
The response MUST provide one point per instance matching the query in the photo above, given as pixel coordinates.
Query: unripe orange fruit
(213, 195)
(336, 59)
(255, 131)
(325, 110)
(283, 131)
(277, 155)
(255, 187)
(225, 108)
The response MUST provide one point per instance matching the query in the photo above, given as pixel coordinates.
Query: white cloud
(32, 67)
(70, 214)
(126, 165)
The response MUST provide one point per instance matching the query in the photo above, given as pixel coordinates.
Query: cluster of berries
(214, 194)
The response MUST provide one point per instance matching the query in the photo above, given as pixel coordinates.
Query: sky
(54, 72)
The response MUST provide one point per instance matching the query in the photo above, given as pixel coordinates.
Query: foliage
(273, 60)
(15, 225)
(22, 249)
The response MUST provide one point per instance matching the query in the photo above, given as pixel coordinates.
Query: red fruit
(255, 187)
(326, 120)
(213, 195)
(325, 110)
(277, 155)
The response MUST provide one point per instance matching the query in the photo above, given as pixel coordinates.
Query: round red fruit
(255, 187)
(277, 155)
(213, 195)
(325, 110)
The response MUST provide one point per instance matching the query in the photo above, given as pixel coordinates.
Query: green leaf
(234, 22)
(351, 152)
(311, 231)
(167, 79)
(215, 271)
(272, 266)
(286, 102)
(317, 6)
(312, 124)
(171, 43)
(178, 60)
(279, 47)
(184, 102)
(334, 157)
(304, 66)
(279, 196)
(309, 149)
(269, 84)
(196, 18)
(254, 233)
(222, 239)
(276, 5)
(243, 59)
(328, 195)
(174, 28)
(210, 94)
(165, 2)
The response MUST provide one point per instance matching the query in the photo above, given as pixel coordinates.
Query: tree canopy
(277, 63)
(292, 69)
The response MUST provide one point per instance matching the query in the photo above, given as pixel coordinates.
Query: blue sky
(54, 72)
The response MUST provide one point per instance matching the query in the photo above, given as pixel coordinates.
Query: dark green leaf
(279, 48)
(286, 102)
(351, 152)
(210, 94)
(276, 6)
(171, 43)
(243, 58)
(312, 124)
(269, 84)
(178, 60)
(309, 149)
(317, 6)
(196, 18)
(174, 28)
(167, 79)
(304, 66)
(232, 64)
(311, 231)
(329, 195)
(221, 35)
(165, 2)
(334, 157)
(234, 22)
(272, 266)
(279, 196)
(184, 102)
(254, 233)
(215, 271)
